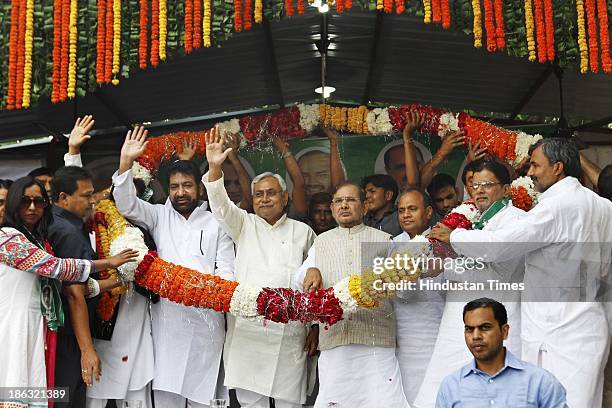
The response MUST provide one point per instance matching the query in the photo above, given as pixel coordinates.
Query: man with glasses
(490, 189)
(261, 361)
(357, 365)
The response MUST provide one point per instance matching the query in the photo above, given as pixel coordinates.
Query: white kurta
(188, 341)
(127, 359)
(264, 357)
(450, 351)
(569, 339)
(417, 316)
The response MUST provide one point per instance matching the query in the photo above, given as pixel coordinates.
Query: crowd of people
(536, 347)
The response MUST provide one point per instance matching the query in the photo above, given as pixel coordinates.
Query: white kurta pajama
(188, 341)
(417, 316)
(263, 357)
(450, 352)
(569, 339)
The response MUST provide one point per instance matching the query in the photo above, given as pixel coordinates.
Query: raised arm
(243, 177)
(448, 144)
(590, 169)
(414, 120)
(225, 211)
(78, 137)
(126, 198)
(19, 253)
(336, 171)
(298, 195)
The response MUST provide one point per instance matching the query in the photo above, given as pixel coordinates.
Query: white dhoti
(451, 353)
(360, 376)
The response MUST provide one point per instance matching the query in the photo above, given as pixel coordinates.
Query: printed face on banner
(315, 169)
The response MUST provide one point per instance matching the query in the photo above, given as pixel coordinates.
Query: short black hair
(440, 181)
(468, 167)
(383, 181)
(350, 183)
(501, 172)
(322, 197)
(186, 167)
(499, 310)
(41, 171)
(560, 149)
(12, 219)
(387, 155)
(5, 184)
(65, 180)
(604, 183)
(424, 195)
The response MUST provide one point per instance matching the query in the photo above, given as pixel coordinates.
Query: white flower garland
(141, 173)
(132, 238)
(309, 116)
(523, 143)
(378, 121)
(448, 124)
(244, 301)
(347, 302)
(468, 210)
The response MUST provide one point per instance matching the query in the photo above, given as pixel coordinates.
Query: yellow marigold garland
(116, 39)
(529, 30)
(379, 4)
(27, 69)
(258, 11)
(163, 28)
(72, 63)
(477, 23)
(427, 11)
(206, 23)
(582, 40)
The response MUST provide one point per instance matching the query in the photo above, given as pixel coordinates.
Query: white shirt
(188, 341)
(267, 358)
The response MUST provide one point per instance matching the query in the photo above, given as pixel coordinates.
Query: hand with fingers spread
(215, 153)
(451, 141)
(133, 147)
(475, 152)
(80, 134)
(189, 149)
(413, 122)
(125, 256)
(282, 146)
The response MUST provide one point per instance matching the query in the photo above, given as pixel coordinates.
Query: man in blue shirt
(496, 377)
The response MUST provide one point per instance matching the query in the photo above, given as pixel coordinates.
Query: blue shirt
(518, 384)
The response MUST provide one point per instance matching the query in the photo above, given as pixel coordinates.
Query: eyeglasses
(487, 185)
(269, 193)
(38, 202)
(348, 200)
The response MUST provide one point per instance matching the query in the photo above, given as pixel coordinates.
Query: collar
(277, 224)
(559, 186)
(68, 216)
(202, 206)
(510, 362)
(351, 231)
(422, 234)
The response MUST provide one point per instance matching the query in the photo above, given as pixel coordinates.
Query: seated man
(496, 377)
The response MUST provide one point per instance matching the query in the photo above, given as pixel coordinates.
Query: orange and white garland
(27, 69)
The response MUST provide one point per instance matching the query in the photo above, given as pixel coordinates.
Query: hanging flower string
(72, 62)
(529, 27)
(247, 14)
(154, 33)
(143, 35)
(188, 35)
(490, 26)
(436, 12)
(27, 69)
(592, 24)
(604, 36)
(550, 30)
(541, 31)
(237, 16)
(13, 44)
(427, 11)
(206, 23)
(110, 39)
(259, 10)
(101, 43)
(65, 61)
(20, 53)
(500, 35)
(197, 24)
(163, 28)
(446, 14)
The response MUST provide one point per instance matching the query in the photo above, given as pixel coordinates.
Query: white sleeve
(300, 274)
(225, 257)
(129, 205)
(73, 160)
(230, 216)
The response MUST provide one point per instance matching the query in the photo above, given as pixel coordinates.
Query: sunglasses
(38, 202)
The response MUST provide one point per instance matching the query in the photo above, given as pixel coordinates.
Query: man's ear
(388, 195)
(558, 169)
(428, 213)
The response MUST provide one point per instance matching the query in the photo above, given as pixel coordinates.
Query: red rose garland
(340, 6)
(348, 4)
(521, 198)
(301, 6)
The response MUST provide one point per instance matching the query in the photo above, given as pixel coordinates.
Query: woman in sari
(28, 290)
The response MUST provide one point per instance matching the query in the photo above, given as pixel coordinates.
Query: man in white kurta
(491, 184)
(188, 342)
(568, 338)
(417, 313)
(262, 359)
(357, 365)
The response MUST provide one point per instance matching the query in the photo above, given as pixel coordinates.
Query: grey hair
(558, 149)
(261, 176)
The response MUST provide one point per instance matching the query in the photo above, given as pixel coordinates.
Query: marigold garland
(72, 62)
(604, 36)
(12, 68)
(592, 25)
(400, 6)
(529, 27)
(20, 53)
(188, 35)
(582, 42)
(142, 38)
(446, 14)
(288, 8)
(197, 24)
(247, 14)
(550, 30)
(540, 31)
(116, 40)
(388, 6)
(259, 10)
(500, 34)
(490, 26)
(339, 6)
(110, 38)
(65, 50)
(237, 16)
(206, 23)
(27, 69)
(301, 7)
(101, 39)
(379, 5)
(436, 12)
(163, 28)
(154, 33)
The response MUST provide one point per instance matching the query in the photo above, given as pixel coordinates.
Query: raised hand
(331, 134)
(80, 134)
(451, 141)
(281, 145)
(189, 149)
(413, 122)
(475, 152)
(215, 155)
(133, 147)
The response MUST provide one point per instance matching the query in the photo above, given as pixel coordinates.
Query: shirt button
(492, 402)
(490, 380)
